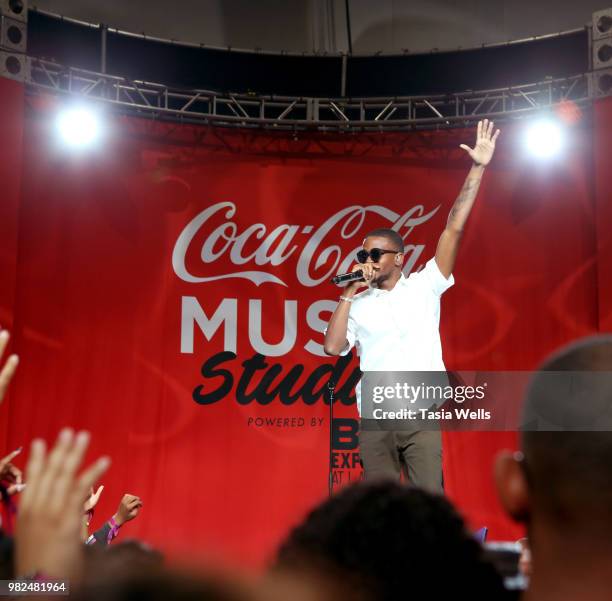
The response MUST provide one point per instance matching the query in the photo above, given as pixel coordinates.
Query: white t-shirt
(398, 329)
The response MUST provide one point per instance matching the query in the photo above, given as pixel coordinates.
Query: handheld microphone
(348, 277)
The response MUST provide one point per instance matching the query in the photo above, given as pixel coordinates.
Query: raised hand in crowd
(88, 510)
(92, 499)
(47, 536)
(10, 475)
(128, 509)
(7, 371)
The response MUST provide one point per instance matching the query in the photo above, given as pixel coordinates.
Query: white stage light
(78, 127)
(544, 139)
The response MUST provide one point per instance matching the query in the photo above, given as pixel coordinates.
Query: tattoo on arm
(467, 194)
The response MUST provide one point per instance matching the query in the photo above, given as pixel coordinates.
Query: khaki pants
(418, 454)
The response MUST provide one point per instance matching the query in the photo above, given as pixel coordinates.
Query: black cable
(330, 483)
(348, 27)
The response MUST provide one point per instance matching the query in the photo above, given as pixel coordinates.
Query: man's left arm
(481, 154)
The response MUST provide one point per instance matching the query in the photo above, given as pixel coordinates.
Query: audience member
(154, 584)
(10, 475)
(47, 538)
(128, 509)
(389, 541)
(560, 485)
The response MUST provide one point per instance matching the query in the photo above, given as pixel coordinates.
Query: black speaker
(13, 35)
(14, 66)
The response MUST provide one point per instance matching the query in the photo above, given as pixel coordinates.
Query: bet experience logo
(214, 236)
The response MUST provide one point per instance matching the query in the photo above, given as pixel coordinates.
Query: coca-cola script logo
(319, 259)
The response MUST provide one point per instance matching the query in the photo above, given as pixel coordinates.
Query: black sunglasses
(375, 254)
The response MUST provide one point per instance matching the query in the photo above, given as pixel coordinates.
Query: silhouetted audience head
(7, 553)
(135, 553)
(564, 478)
(159, 584)
(120, 560)
(389, 542)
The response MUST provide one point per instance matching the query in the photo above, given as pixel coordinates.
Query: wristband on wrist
(348, 299)
(114, 530)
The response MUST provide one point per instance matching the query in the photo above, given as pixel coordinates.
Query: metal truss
(298, 114)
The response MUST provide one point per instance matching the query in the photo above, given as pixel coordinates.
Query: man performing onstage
(395, 325)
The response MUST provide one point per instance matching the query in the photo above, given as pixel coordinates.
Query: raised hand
(92, 499)
(483, 151)
(47, 538)
(128, 509)
(8, 370)
(10, 474)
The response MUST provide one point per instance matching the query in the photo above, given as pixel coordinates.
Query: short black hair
(569, 471)
(378, 531)
(7, 557)
(150, 583)
(389, 234)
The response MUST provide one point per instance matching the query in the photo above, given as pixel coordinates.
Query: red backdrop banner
(11, 162)
(172, 288)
